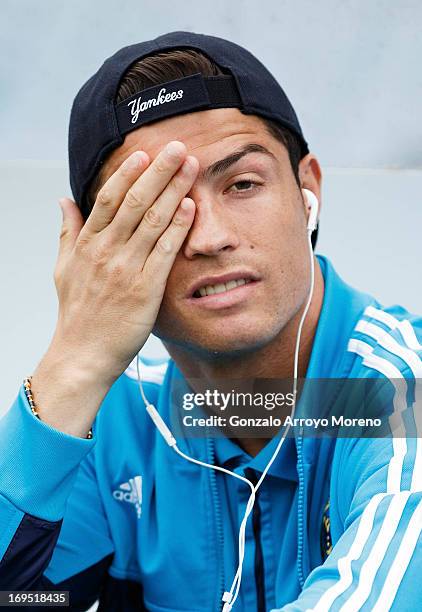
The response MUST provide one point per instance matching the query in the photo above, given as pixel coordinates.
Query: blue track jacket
(123, 519)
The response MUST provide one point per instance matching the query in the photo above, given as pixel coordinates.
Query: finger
(72, 223)
(160, 261)
(158, 217)
(143, 193)
(113, 192)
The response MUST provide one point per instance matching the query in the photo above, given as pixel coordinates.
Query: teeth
(231, 284)
(221, 287)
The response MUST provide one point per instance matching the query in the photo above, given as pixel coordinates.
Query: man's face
(249, 227)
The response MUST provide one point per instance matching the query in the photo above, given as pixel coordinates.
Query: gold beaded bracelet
(30, 398)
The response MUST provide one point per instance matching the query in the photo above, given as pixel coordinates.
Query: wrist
(30, 399)
(67, 395)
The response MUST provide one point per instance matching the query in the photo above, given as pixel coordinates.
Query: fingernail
(175, 148)
(134, 160)
(186, 204)
(187, 167)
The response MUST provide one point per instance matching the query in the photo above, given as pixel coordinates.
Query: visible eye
(243, 186)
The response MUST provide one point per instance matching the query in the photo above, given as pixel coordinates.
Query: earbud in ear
(313, 204)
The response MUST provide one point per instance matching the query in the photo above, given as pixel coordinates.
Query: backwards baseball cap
(98, 124)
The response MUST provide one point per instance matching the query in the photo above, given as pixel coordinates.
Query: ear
(310, 175)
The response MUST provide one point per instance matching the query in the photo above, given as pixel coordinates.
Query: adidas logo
(131, 492)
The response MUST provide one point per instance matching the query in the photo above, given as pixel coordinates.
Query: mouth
(215, 292)
(220, 287)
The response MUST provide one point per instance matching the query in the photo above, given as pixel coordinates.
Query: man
(187, 166)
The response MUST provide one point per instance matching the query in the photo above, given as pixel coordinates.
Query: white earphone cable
(230, 602)
(230, 597)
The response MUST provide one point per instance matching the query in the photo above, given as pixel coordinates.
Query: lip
(223, 278)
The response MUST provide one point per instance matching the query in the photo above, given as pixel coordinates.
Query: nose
(211, 232)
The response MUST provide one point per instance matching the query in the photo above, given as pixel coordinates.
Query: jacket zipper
(300, 504)
(259, 556)
(218, 523)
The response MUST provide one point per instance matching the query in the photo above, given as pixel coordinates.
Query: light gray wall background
(351, 69)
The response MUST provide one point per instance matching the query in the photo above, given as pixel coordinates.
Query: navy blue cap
(98, 124)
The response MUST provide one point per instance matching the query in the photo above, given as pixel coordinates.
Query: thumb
(71, 225)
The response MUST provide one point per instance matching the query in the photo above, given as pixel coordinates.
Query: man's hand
(110, 277)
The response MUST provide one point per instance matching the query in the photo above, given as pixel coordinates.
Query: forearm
(40, 468)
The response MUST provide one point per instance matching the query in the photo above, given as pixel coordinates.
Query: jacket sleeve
(376, 526)
(53, 530)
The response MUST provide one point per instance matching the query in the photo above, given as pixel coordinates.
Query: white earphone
(313, 205)
(229, 597)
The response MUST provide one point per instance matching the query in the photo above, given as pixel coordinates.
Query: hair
(171, 65)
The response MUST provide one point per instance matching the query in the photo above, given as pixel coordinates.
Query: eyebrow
(220, 166)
